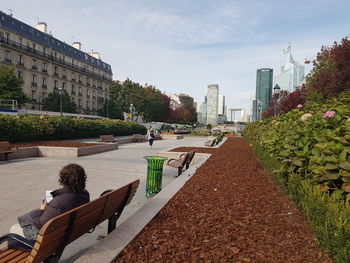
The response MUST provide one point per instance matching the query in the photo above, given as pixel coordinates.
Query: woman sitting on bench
(72, 177)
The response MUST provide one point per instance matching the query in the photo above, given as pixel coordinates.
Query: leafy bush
(33, 128)
(308, 151)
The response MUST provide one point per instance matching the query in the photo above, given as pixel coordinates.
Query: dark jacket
(63, 201)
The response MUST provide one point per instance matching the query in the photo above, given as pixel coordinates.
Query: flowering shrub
(318, 149)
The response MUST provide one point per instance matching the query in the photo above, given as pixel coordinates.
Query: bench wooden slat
(83, 218)
(87, 217)
(12, 255)
(107, 138)
(6, 148)
(19, 258)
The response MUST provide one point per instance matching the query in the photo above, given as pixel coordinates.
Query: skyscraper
(263, 93)
(212, 100)
(292, 72)
(221, 105)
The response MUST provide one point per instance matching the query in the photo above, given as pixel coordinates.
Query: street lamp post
(276, 90)
(60, 93)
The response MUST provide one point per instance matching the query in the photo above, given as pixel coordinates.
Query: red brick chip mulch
(231, 210)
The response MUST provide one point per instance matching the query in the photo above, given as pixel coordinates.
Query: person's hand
(43, 205)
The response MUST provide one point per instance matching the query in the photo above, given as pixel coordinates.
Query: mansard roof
(48, 40)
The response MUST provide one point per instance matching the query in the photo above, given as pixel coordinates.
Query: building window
(7, 36)
(34, 95)
(73, 90)
(55, 84)
(7, 56)
(20, 60)
(63, 85)
(44, 67)
(88, 92)
(34, 83)
(44, 50)
(79, 103)
(44, 85)
(19, 74)
(88, 104)
(34, 47)
(93, 106)
(34, 66)
(20, 40)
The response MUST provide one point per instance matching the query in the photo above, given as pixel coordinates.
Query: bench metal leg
(112, 222)
(179, 171)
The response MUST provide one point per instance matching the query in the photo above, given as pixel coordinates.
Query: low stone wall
(24, 153)
(172, 137)
(49, 151)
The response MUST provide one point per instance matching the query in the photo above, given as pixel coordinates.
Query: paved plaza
(24, 181)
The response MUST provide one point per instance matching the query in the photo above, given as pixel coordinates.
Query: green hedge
(34, 128)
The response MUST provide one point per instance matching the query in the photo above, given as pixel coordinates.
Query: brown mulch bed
(53, 143)
(231, 210)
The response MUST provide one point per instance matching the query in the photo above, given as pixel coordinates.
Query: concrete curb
(114, 243)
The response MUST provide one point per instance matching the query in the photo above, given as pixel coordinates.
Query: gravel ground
(231, 210)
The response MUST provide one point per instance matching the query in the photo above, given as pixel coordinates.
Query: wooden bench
(58, 232)
(6, 149)
(107, 138)
(178, 163)
(138, 137)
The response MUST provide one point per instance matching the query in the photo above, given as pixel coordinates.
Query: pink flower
(299, 106)
(329, 114)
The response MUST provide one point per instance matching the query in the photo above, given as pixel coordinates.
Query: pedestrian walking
(150, 136)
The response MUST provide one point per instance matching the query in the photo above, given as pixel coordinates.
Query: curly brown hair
(73, 176)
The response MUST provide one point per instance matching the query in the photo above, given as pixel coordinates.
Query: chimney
(77, 45)
(96, 55)
(42, 26)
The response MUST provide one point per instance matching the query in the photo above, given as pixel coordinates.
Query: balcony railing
(34, 84)
(35, 67)
(44, 86)
(23, 48)
(44, 70)
(55, 74)
(8, 60)
(64, 76)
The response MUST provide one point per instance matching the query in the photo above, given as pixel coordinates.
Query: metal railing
(21, 47)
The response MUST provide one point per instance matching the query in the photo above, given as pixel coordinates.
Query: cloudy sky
(181, 46)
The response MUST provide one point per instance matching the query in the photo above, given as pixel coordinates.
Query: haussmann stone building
(47, 64)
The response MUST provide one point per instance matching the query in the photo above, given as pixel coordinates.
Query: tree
(10, 86)
(331, 73)
(286, 101)
(52, 102)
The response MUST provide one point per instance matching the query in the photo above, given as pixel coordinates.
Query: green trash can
(154, 174)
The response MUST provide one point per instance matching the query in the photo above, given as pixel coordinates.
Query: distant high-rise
(212, 100)
(292, 72)
(263, 93)
(221, 105)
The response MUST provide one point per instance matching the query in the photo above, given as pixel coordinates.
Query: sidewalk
(24, 181)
